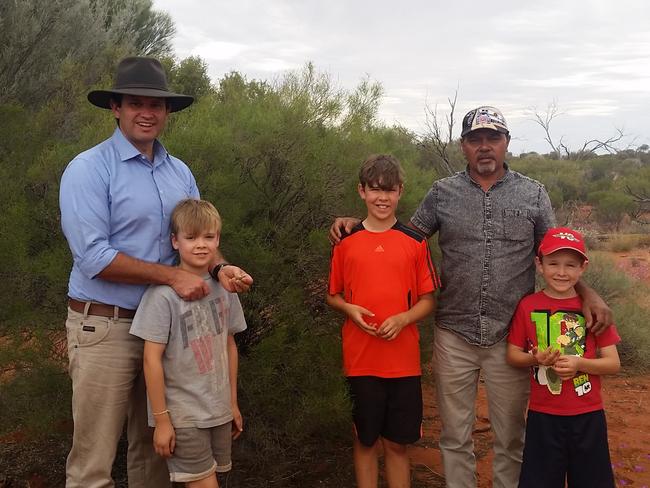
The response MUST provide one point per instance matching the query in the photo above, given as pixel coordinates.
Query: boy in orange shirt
(383, 279)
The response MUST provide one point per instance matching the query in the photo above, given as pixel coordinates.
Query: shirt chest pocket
(517, 224)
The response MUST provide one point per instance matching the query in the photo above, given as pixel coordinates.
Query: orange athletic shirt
(384, 272)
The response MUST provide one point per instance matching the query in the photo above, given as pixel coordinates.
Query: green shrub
(632, 323)
(36, 400)
(604, 277)
(623, 242)
(291, 384)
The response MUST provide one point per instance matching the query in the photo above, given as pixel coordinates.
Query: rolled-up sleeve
(85, 216)
(425, 217)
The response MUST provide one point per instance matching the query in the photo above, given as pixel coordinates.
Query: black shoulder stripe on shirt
(409, 231)
(355, 229)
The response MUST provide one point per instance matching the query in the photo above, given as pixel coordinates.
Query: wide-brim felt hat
(143, 77)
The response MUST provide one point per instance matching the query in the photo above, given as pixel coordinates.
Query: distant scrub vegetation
(279, 160)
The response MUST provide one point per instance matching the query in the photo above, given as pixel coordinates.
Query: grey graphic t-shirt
(195, 361)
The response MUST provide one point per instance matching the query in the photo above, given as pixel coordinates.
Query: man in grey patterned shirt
(490, 221)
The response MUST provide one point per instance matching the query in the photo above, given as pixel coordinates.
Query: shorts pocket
(517, 226)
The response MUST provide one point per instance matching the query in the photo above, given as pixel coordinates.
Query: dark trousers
(572, 448)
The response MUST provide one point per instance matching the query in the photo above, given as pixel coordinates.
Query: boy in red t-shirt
(566, 431)
(383, 279)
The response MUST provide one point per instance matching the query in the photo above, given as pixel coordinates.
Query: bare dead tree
(544, 120)
(438, 136)
(590, 147)
(642, 200)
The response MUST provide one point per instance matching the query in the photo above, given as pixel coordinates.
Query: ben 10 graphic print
(567, 333)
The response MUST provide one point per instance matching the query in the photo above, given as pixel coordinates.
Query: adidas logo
(379, 248)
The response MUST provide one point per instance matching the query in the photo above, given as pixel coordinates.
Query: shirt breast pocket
(517, 224)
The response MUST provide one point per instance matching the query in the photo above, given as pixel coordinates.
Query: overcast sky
(591, 57)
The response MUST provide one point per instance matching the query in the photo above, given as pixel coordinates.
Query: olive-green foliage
(626, 242)
(611, 206)
(624, 296)
(602, 275)
(189, 76)
(279, 160)
(632, 323)
(49, 43)
(601, 182)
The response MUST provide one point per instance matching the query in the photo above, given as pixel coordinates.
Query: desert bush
(34, 386)
(617, 242)
(623, 242)
(604, 277)
(623, 294)
(632, 323)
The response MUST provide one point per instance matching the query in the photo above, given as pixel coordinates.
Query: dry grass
(617, 242)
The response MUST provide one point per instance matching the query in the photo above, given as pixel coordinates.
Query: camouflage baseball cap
(484, 118)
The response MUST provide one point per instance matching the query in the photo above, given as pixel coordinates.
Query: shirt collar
(128, 151)
(505, 176)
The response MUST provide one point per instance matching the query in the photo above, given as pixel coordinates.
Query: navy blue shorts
(386, 407)
(572, 447)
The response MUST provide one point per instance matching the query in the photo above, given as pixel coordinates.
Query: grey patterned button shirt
(488, 241)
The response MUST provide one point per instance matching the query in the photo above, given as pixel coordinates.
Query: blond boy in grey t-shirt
(190, 357)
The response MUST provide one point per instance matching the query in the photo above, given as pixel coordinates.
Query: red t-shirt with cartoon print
(384, 272)
(544, 321)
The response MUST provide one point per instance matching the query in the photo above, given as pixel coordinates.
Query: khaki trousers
(105, 364)
(456, 366)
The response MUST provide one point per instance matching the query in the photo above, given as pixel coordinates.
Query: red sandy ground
(627, 406)
(627, 401)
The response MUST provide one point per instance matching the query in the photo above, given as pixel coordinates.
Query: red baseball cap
(562, 238)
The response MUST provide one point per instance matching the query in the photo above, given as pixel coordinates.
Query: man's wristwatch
(214, 272)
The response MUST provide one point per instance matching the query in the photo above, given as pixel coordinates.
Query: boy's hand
(234, 279)
(392, 326)
(356, 313)
(164, 438)
(547, 357)
(237, 422)
(346, 223)
(566, 367)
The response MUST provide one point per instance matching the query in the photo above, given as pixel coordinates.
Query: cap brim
(177, 102)
(546, 252)
(485, 126)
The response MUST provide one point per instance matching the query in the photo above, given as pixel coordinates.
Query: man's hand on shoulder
(189, 286)
(340, 224)
(598, 315)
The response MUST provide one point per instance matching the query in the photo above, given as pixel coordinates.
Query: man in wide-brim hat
(143, 77)
(116, 200)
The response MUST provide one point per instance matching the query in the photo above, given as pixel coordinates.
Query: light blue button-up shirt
(113, 199)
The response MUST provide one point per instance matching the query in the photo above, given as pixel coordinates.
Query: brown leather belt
(101, 309)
